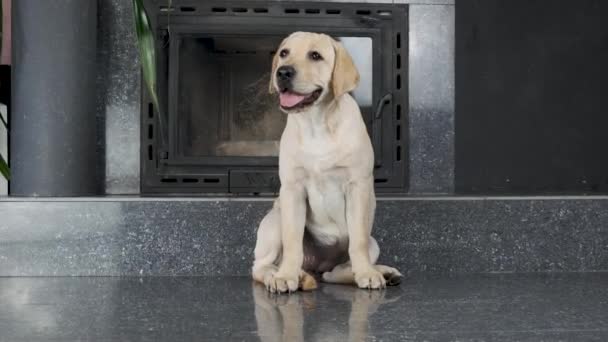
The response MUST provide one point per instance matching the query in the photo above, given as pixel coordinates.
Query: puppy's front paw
(281, 283)
(370, 279)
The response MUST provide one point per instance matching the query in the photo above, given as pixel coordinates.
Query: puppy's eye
(315, 56)
(284, 53)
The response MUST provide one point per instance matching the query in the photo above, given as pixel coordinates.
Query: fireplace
(218, 128)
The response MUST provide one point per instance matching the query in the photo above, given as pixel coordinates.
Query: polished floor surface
(493, 307)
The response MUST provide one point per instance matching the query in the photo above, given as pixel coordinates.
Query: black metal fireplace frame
(164, 171)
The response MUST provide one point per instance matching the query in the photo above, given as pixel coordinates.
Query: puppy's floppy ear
(345, 76)
(273, 71)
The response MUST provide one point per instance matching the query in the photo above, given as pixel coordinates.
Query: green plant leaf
(147, 52)
(4, 170)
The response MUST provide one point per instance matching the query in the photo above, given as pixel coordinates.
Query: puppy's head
(309, 68)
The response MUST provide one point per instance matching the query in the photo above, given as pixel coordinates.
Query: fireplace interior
(218, 129)
(224, 106)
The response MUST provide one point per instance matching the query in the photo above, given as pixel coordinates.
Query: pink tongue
(290, 99)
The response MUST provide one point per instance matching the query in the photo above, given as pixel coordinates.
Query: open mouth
(292, 100)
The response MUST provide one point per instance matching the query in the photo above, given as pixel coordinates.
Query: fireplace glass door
(224, 104)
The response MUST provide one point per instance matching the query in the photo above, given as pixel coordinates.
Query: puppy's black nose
(286, 73)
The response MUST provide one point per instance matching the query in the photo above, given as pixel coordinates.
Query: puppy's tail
(307, 282)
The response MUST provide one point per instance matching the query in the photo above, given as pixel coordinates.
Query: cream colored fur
(326, 164)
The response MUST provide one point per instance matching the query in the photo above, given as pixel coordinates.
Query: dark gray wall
(531, 112)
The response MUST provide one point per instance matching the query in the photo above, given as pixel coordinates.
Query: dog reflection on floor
(283, 318)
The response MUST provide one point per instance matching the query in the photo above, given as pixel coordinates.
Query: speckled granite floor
(482, 307)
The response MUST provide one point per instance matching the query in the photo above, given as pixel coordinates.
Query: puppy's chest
(323, 159)
(326, 184)
(326, 216)
(325, 181)
(326, 177)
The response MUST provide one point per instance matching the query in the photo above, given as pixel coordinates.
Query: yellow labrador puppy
(323, 217)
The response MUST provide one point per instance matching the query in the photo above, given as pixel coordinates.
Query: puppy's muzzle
(285, 76)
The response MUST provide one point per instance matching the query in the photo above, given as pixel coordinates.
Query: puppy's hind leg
(343, 273)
